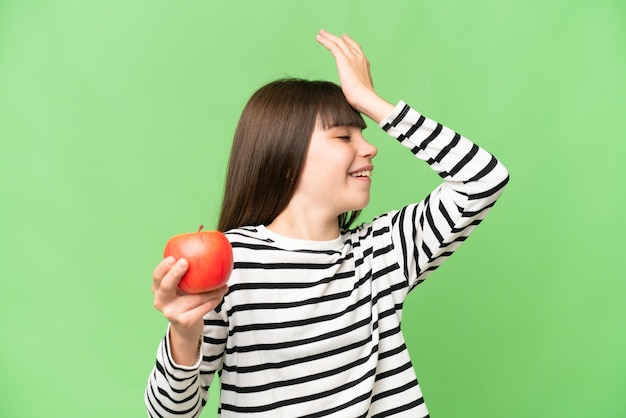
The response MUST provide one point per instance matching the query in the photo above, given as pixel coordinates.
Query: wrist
(374, 107)
(184, 347)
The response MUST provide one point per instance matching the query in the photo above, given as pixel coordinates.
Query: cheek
(327, 165)
(316, 179)
(321, 166)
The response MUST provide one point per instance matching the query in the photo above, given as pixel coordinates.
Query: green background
(115, 124)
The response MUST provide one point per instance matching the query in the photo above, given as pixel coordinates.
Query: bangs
(334, 110)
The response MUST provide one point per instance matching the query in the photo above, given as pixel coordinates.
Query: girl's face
(336, 175)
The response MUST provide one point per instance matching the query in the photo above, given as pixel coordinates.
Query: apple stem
(201, 228)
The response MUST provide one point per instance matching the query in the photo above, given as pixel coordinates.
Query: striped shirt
(310, 328)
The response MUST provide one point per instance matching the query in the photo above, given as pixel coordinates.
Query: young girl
(309, 324)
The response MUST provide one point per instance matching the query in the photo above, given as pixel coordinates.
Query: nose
(366, 149)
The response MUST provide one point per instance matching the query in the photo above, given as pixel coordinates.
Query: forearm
(430, 230)
(466, 167)
(174, 388)
(184, 349)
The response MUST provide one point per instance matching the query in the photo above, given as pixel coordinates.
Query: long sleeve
(180, 391)
(430, 231)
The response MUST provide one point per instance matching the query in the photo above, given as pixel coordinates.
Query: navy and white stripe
(313, 328)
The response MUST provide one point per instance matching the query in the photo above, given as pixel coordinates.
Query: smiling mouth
(364, 173)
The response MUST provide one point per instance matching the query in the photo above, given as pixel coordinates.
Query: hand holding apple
(210, 258)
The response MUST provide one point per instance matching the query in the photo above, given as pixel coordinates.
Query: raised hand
(355, 77)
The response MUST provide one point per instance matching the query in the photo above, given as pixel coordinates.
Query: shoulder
(378, 229)
(247, 234)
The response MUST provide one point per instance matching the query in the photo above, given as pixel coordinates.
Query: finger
(191, 307)
(170, 280)
(347, 44)
(161, 270)
(214, 298)
(352, 44)
(219, 292)
(333, 43)
(329, 36)
(326, 42)
(191, 316)
(358, 51)
(186, 302)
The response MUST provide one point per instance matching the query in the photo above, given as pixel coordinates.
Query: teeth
(366, 173)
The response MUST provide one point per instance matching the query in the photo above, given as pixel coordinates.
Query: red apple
(210, 258)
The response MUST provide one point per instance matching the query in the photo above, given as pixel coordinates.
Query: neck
(305, 226)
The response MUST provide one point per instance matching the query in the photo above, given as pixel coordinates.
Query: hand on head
(354, 75)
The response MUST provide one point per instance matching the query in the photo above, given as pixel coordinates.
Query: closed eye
(344, 137)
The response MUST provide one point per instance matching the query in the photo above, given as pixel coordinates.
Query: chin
(356, 202)
(361, 206)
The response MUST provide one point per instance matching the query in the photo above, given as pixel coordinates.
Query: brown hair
(270, 146)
